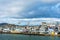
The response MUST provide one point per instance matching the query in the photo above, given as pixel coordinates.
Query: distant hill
(6, 24)
(3, 24)
(10, 25)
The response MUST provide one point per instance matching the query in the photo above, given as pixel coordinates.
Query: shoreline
(33, 34)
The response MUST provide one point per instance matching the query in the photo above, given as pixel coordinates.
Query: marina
(45, 29)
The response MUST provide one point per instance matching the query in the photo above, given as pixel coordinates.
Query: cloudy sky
(17, 9)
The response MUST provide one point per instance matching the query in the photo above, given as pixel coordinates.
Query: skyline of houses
(43, 28)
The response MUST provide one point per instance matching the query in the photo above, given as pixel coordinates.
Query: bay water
(26, 37)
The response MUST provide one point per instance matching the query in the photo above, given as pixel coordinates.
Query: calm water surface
(26, 37)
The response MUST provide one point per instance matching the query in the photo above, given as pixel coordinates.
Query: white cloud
(34, 20)
(14, 8)
(49, 1)
(43, 1)
(56, 8)
(31, 12)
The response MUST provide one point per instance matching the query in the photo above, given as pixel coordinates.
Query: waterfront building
(59, 28)
(56, 26)
(0, 28)
(50, 29)
(43, 28)
(6, 30)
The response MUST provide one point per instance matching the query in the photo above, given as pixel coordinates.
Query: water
(26, 37)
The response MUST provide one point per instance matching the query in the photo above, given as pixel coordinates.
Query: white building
(6, 30)
(43, 28)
